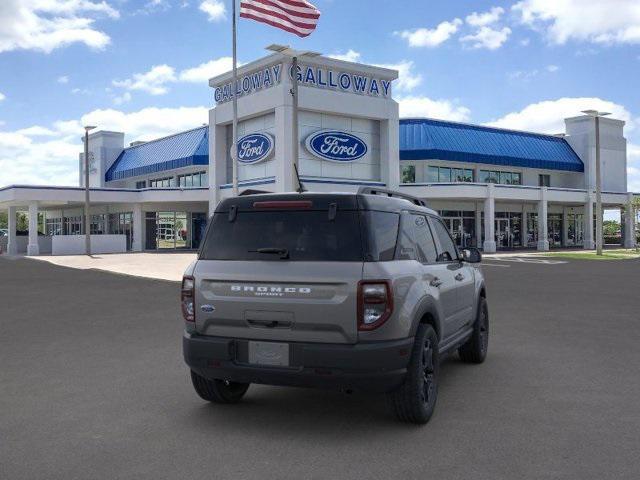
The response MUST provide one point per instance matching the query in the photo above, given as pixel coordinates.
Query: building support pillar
(12, 245)
(285, 173)
(589, 242)
(489, 245)
(478, 225)
(32, 247)
(629, 223)
(136, 244)
(543, 237)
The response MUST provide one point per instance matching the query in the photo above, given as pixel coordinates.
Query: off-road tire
(218, 391)
(415, 400)
(475, 349)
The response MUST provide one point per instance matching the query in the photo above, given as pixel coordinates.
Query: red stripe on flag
(273, 13)
(274, 24)
(278, 6)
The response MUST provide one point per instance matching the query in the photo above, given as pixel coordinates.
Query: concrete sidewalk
(163, 266)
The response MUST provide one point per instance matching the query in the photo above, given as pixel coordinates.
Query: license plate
(269, 353)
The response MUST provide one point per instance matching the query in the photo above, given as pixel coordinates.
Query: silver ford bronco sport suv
(360, 292)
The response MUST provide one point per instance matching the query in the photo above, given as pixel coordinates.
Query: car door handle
(459, 277)
(436, 282)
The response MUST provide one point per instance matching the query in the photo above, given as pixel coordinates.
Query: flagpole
(234, 146)
(294, 126)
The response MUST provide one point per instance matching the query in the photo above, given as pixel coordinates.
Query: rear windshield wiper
(283, 252)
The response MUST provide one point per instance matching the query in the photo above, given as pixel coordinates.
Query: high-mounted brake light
(187, 298)
(375, 303)
(283, 204)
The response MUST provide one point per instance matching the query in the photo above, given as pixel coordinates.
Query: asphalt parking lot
(92, 385)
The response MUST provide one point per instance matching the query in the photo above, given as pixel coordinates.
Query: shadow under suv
(361, 291)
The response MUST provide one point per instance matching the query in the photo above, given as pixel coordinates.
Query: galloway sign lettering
(321, 77)
(248, 84)
(255, 148)
(336, 146)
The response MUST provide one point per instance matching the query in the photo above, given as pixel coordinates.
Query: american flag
(294, 16)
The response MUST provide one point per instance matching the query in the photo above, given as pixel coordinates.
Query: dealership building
(496, 189)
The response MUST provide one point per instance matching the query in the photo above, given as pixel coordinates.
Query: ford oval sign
(255, 147)
(336, 146)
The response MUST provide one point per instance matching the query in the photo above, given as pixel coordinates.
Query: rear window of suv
(308, 235)
(305, 236)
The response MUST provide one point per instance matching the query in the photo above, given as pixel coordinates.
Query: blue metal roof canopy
(427, 139)
(183, 149)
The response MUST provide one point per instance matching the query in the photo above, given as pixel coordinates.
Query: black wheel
(415, 400)
(218, 391)
(475, 350)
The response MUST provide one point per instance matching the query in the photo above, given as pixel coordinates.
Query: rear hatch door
(281, 273)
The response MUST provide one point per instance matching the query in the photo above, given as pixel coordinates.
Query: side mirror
(471, 255)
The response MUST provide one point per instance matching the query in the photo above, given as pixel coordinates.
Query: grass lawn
(618, 254)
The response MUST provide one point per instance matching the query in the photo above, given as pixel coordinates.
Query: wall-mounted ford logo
(255, 148)
(336, 146)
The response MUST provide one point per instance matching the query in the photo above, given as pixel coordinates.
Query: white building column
(589, 242)
(32, 247)
(543, 237)
(138, 219)
(478, 225)
(629, 224)
(284, 156)
(489, 245)
(12, 245)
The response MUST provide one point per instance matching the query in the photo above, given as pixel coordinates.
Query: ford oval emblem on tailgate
(207, 308)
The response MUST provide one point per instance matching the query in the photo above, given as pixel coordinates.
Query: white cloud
(424, 37)
(525, 42)
(63, 79)
(595, 21)
(407, 78)
(214, 9)
(527, 75)
(420, 106)
(45, 25)
(203, 72)
(2, 96)
(548, 116)
(486, 18)
(487, 37)
(48, 155)
(552, 68)
(120, 99)
(349, 56)
(154, 81)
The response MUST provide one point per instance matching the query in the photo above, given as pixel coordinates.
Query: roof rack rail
(391, 193)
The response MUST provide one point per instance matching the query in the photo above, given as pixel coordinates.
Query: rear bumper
(372, 366)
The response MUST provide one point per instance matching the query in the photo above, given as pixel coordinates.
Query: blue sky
(141, 66)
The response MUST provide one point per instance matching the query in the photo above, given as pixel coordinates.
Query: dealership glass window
(554, 229)
(141, 184)
(53, 226)
(544, 180)
(189, 180)
(174, 230)
(532, 229)
(504, 178)
(98, 223)
(575, 229)
(122, 224)
(73, 225)
(408, 174)
(447, 174)
(162, 182)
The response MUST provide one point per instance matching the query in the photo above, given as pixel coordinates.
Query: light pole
(87, 217)
(596, 114)
(294, 54)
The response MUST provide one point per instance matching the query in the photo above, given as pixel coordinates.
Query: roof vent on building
(136, 143)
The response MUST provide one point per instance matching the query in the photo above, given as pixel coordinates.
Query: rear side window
(381, 234)
(304, 235)
(447, 251)
(415, 241)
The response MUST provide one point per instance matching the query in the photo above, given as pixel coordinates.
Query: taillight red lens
(375, 303)
(187, 299)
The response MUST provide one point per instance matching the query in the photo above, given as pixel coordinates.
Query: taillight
(375, 303)
(187, 299)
